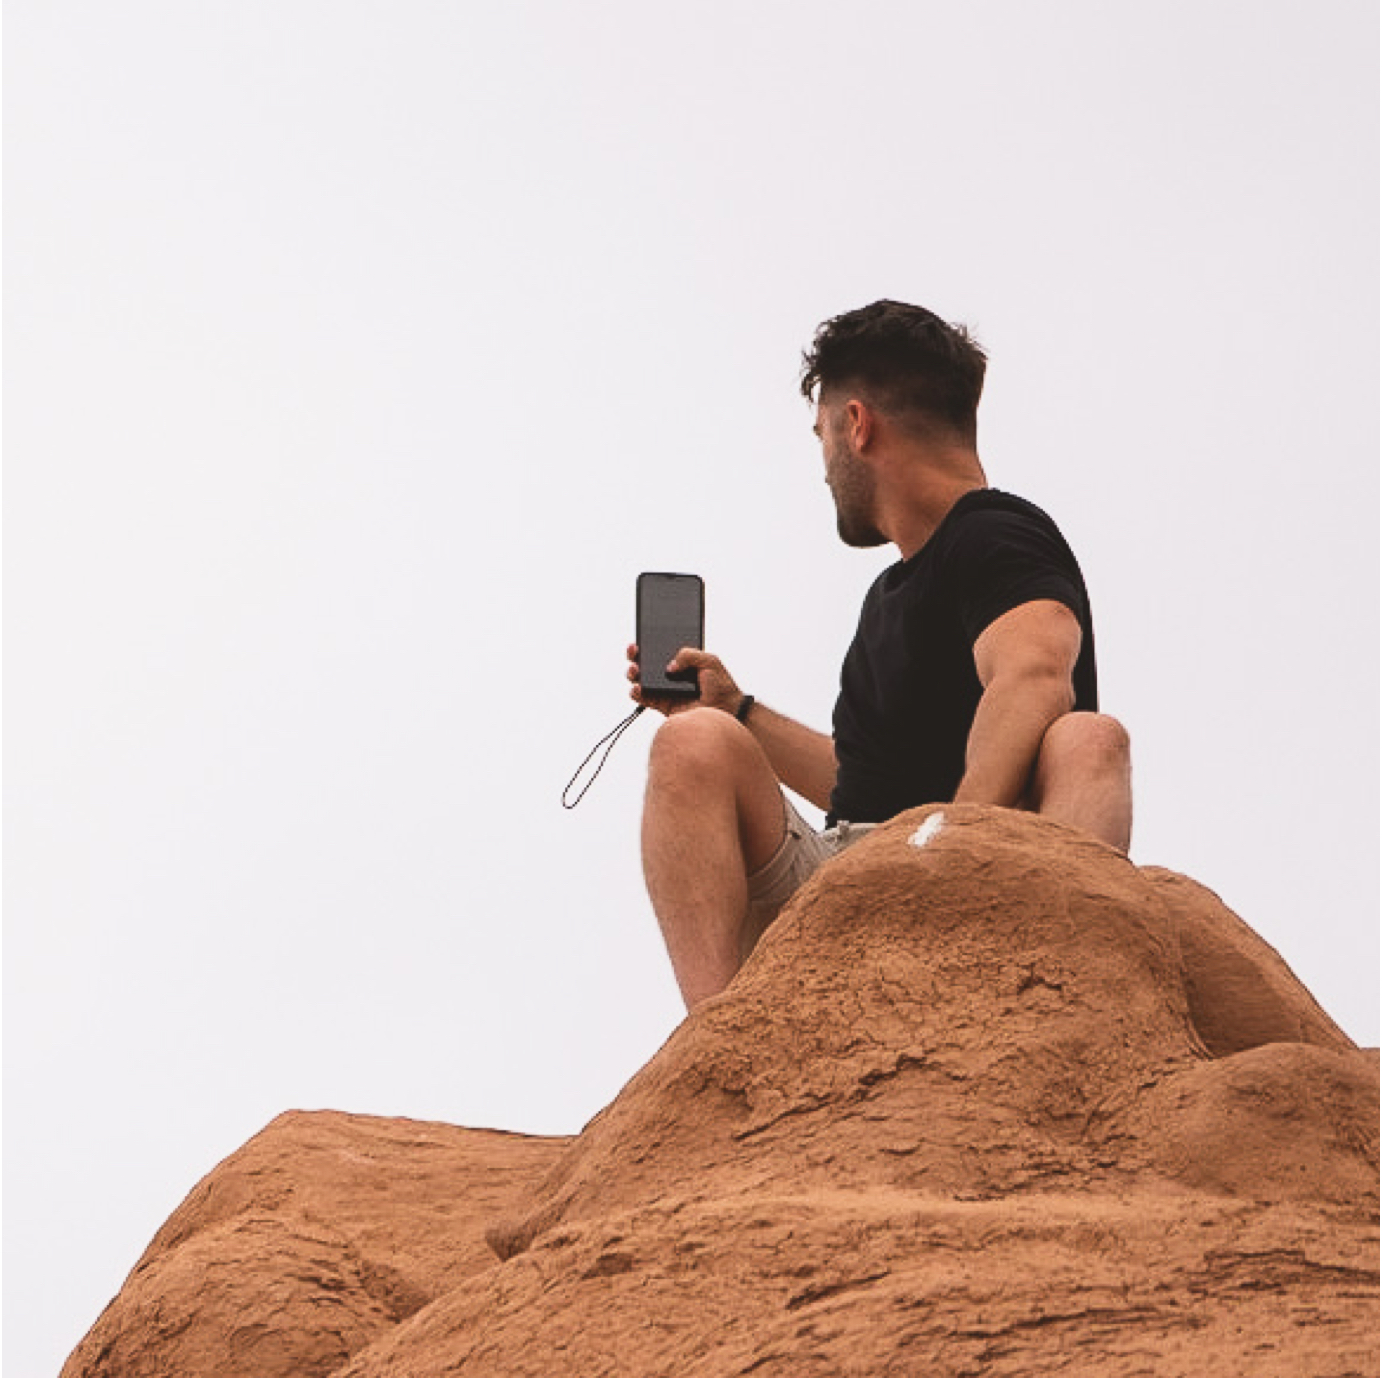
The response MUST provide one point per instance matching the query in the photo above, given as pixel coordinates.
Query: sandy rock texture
(988, 1099)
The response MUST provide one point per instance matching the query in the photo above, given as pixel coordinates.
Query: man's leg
(712, 817)
(1083, 777)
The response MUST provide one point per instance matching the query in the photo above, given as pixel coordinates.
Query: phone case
(670, 614)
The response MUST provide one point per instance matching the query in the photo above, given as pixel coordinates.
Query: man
(971, 677)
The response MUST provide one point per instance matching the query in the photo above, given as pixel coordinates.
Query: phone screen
(671, 614)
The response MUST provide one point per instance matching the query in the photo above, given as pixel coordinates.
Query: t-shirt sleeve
(999, 560)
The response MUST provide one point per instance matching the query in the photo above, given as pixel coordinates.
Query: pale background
(361, 354)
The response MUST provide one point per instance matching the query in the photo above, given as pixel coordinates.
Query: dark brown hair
(904, 360)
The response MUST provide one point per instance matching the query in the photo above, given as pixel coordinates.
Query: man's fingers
(691, 658)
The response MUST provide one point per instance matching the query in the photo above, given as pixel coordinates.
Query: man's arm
(1026, 662)
(802, 758)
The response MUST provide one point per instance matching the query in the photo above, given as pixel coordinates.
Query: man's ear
(862, 424)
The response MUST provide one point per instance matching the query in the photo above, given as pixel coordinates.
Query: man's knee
(697, 741)
(1084, 777)
(705, 761)
(1088, 743)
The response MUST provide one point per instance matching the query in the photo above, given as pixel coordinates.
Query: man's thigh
(803, 852)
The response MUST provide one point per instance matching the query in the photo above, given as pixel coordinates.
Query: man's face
(849, 479)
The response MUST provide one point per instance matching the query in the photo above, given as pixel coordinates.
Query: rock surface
(987, 1100)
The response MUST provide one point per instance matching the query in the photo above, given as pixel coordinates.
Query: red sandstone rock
(317, 1237)
(998, 1104)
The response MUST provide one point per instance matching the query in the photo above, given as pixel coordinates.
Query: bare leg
(712, 817)
(1083, 777)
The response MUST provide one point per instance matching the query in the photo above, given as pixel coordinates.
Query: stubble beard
(852, 490)
(861, 535)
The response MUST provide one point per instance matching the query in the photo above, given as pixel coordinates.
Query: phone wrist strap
(610, 738)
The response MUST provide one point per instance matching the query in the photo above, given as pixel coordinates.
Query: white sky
(359, 356)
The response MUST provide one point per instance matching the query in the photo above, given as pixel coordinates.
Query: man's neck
(923, 496)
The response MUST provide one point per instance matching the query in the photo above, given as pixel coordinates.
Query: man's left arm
(1026, 662)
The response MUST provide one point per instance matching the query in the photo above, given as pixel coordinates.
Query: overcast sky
(360, 355)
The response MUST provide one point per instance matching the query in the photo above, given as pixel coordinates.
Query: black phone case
(670, 614)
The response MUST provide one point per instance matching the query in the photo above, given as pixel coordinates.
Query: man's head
(904, 361)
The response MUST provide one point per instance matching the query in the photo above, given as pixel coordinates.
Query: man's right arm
(802, 758)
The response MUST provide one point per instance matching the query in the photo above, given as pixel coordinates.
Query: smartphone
(671, 614)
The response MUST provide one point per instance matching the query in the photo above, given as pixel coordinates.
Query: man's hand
(718, 689)
(802, 759)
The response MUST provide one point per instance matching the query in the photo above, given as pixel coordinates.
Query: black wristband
(745, 707)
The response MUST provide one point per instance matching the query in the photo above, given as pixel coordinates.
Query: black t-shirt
(908, 686)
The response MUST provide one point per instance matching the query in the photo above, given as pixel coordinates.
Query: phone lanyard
(611, 737)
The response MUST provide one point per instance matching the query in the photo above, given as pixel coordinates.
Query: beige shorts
(803, 852)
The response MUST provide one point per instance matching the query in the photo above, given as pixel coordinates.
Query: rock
(987, 1099)
(316, 1238)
